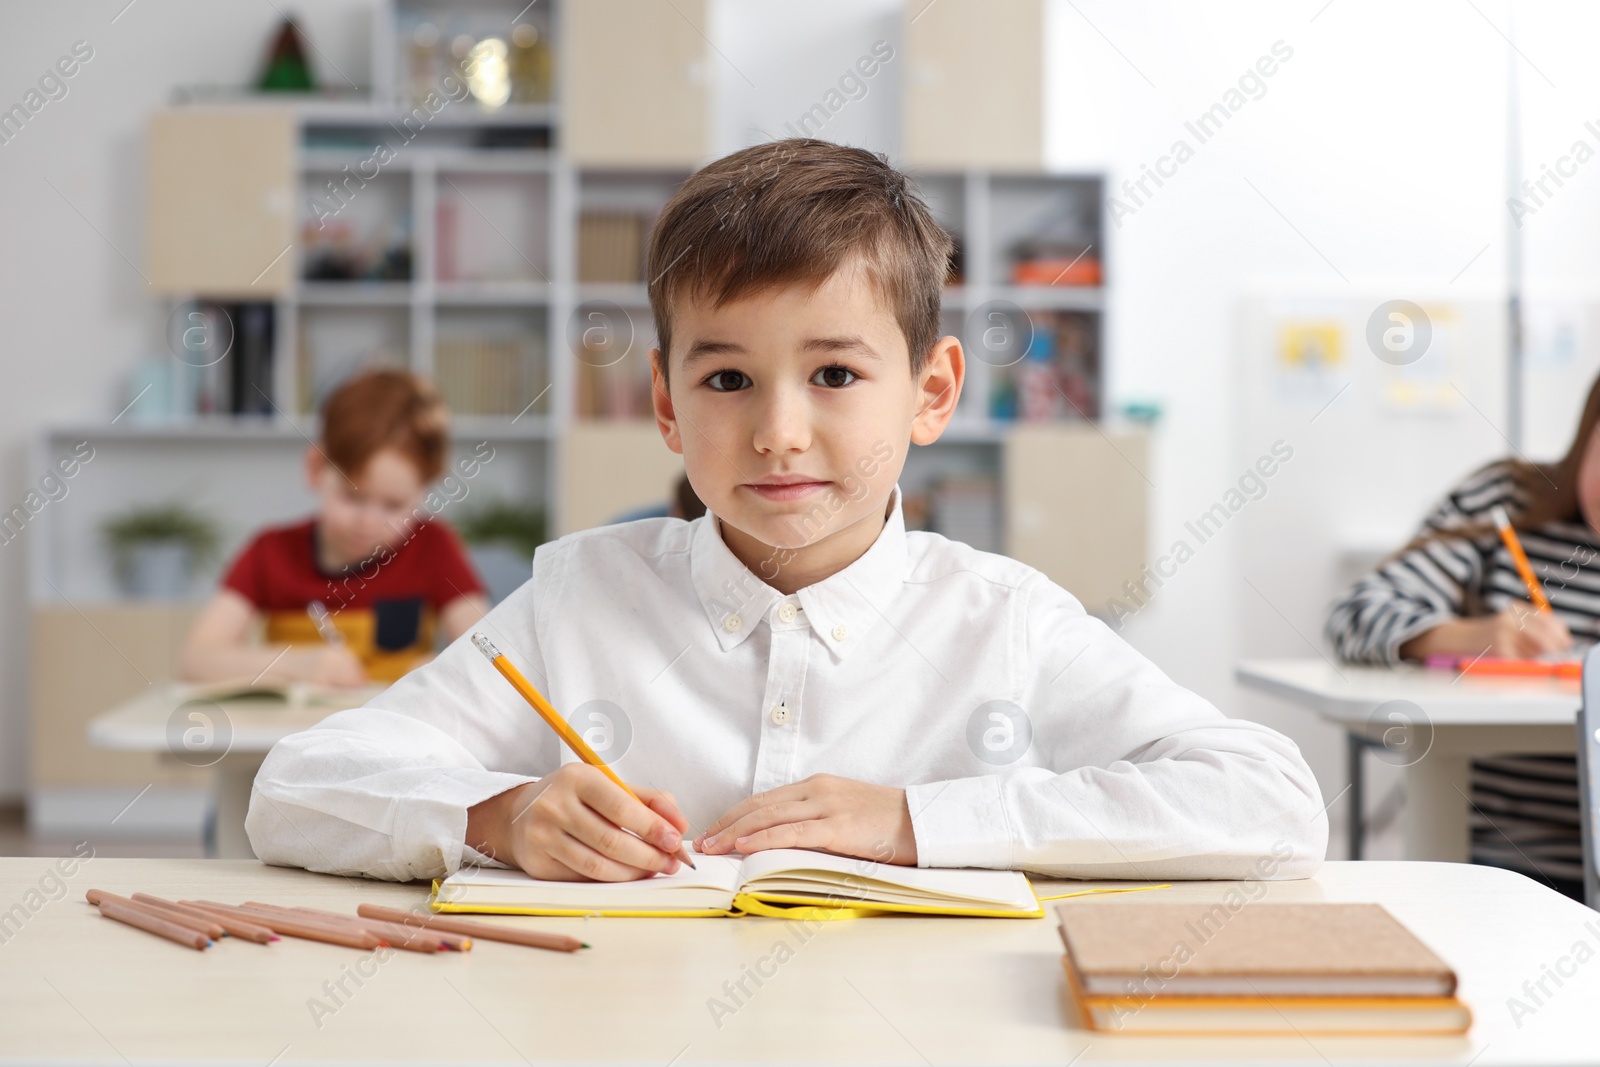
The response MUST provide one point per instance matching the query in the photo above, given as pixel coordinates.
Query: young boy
(370, 562)
(800, 669)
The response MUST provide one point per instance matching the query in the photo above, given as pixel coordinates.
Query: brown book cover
(1255, 949)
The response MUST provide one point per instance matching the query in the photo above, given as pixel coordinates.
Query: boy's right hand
(570, 826)
(332, 665)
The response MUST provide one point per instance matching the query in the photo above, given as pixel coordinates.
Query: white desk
(233, 736)
(1467, 716)
(78, 988)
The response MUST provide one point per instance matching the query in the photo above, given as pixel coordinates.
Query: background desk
(1468, 715)
(76, 987)
(240, 733)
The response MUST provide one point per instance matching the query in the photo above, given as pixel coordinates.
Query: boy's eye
(726, 381)
(834, 376)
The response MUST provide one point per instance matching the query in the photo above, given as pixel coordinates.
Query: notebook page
(485, 884)
(851, 877)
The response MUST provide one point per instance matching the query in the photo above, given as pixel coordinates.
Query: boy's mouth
(786, 487)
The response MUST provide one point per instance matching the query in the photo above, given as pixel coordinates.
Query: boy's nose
(783, 422)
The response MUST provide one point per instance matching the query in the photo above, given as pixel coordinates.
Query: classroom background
(1176, 224)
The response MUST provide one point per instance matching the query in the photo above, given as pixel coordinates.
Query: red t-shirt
(385, 606)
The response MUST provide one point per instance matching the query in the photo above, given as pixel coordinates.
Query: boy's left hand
(823, 811)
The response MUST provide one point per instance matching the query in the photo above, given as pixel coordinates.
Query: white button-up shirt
(1026, 733)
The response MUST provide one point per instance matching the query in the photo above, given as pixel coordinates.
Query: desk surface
(76, 987)
(1349, 695)
(151, 722)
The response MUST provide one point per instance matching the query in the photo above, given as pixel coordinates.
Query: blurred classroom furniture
(1430, 722)
(231, 735)
(1588, 744)
(73, 784)
(893, 990)
(494, 240)
(956, 119)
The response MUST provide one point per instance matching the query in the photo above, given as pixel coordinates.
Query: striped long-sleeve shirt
(1454, 577)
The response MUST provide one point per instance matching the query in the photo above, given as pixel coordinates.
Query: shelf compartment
(335, 343)
(492, 228)
(492, 361)
(1040, 221)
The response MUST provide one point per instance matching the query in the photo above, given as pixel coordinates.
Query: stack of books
(1254, 968)
(611, 246)
(486, 375)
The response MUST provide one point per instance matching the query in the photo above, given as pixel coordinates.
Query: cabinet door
(1076, 500)
(634, 83)
(974, 94)
(131, 647)
(220, 219)
(612, 466)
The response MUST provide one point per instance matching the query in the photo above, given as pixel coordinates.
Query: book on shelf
(1260, 968)
(611, 246)
(486, 375)
(617, 390)
(224, 365)
(251, 385)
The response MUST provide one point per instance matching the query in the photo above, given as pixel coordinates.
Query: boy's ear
(661, 403)
(315, 465)
(938, 390)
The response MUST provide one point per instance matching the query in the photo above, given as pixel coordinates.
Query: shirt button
(787, 611)
(780, 715)
(732, 623)
(840, 632)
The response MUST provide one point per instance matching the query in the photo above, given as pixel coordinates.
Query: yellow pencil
(568, 735)
(1520, 558)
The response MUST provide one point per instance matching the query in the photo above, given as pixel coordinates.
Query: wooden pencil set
(199, 924)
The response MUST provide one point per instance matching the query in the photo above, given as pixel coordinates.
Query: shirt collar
(841, 609)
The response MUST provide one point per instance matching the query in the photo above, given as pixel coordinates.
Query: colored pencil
(568, 735)
(300, 927)
(183, 916)
(235, 927)
(395, 937)
(382, 928)
(1520, 558)
(192, 921)
(485, 931)
(149, 920)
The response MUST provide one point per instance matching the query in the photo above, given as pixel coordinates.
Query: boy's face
(366, 512)
(794, 410)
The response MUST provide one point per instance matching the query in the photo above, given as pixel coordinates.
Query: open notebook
(285, 694)
(757, 884)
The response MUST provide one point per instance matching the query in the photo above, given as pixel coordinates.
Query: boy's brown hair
(793, 212)
(381, 409)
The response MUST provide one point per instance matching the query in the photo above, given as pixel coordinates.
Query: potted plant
(501, 537)
(156, 549)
